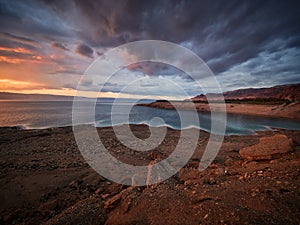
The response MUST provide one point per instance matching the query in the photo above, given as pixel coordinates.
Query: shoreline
(254, 132)
(290, 111)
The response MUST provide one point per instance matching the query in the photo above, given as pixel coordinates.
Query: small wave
(16, 127)
(22, 127)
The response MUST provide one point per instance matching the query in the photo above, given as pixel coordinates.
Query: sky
(46, 46)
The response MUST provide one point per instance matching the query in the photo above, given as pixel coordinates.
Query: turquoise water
(56, 114)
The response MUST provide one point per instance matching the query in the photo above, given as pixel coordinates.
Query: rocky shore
(45, 180)
(288, 111)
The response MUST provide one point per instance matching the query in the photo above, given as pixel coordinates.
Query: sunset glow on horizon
(45, 48)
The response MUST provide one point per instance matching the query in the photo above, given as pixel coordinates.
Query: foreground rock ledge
(268, 148)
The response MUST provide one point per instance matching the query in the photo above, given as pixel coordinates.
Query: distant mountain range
(33, 97)
(8, 96)
(283, 92)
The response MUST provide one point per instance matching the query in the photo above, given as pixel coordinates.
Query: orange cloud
(7, 84)
(37, 57)
(10, 60)
(34, 59)
(18, 50)
(16, 59)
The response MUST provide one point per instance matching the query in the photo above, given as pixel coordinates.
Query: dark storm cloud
(152, 68)
(12, 41)
(84, 50)
(60, 46)
(223, 34)
(67, 71)
(248, 37)
(158, 69)
(17, 38)
(32, 20)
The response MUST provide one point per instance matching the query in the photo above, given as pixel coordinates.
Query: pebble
(212, 181)
(188, 183)
(105, 196)
(274, 161)
(228, 162)
(73, 183)
(246, 175)
(98, 191)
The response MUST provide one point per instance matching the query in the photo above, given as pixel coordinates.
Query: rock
(220, 171)
(246, 175)
(274, 161)
(283, 190)
(48, 208)
(98, 191)
(249, 164)
(113, 201)
(73, 183)
(212, 181)
(128, 201)
(87, 211)
(104, 196)
(267, 148)
(228, 162)
(188, 183)
(196, 199)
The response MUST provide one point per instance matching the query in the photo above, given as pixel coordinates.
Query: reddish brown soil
(289, 111)
(44, 180)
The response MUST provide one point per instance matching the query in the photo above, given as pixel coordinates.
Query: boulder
(268, 148)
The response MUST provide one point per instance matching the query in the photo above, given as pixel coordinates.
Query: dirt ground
(289, 111)
(45, 180)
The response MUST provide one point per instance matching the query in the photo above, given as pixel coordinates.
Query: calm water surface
(55, 114)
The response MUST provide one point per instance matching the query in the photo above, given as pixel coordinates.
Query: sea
(45, 114)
